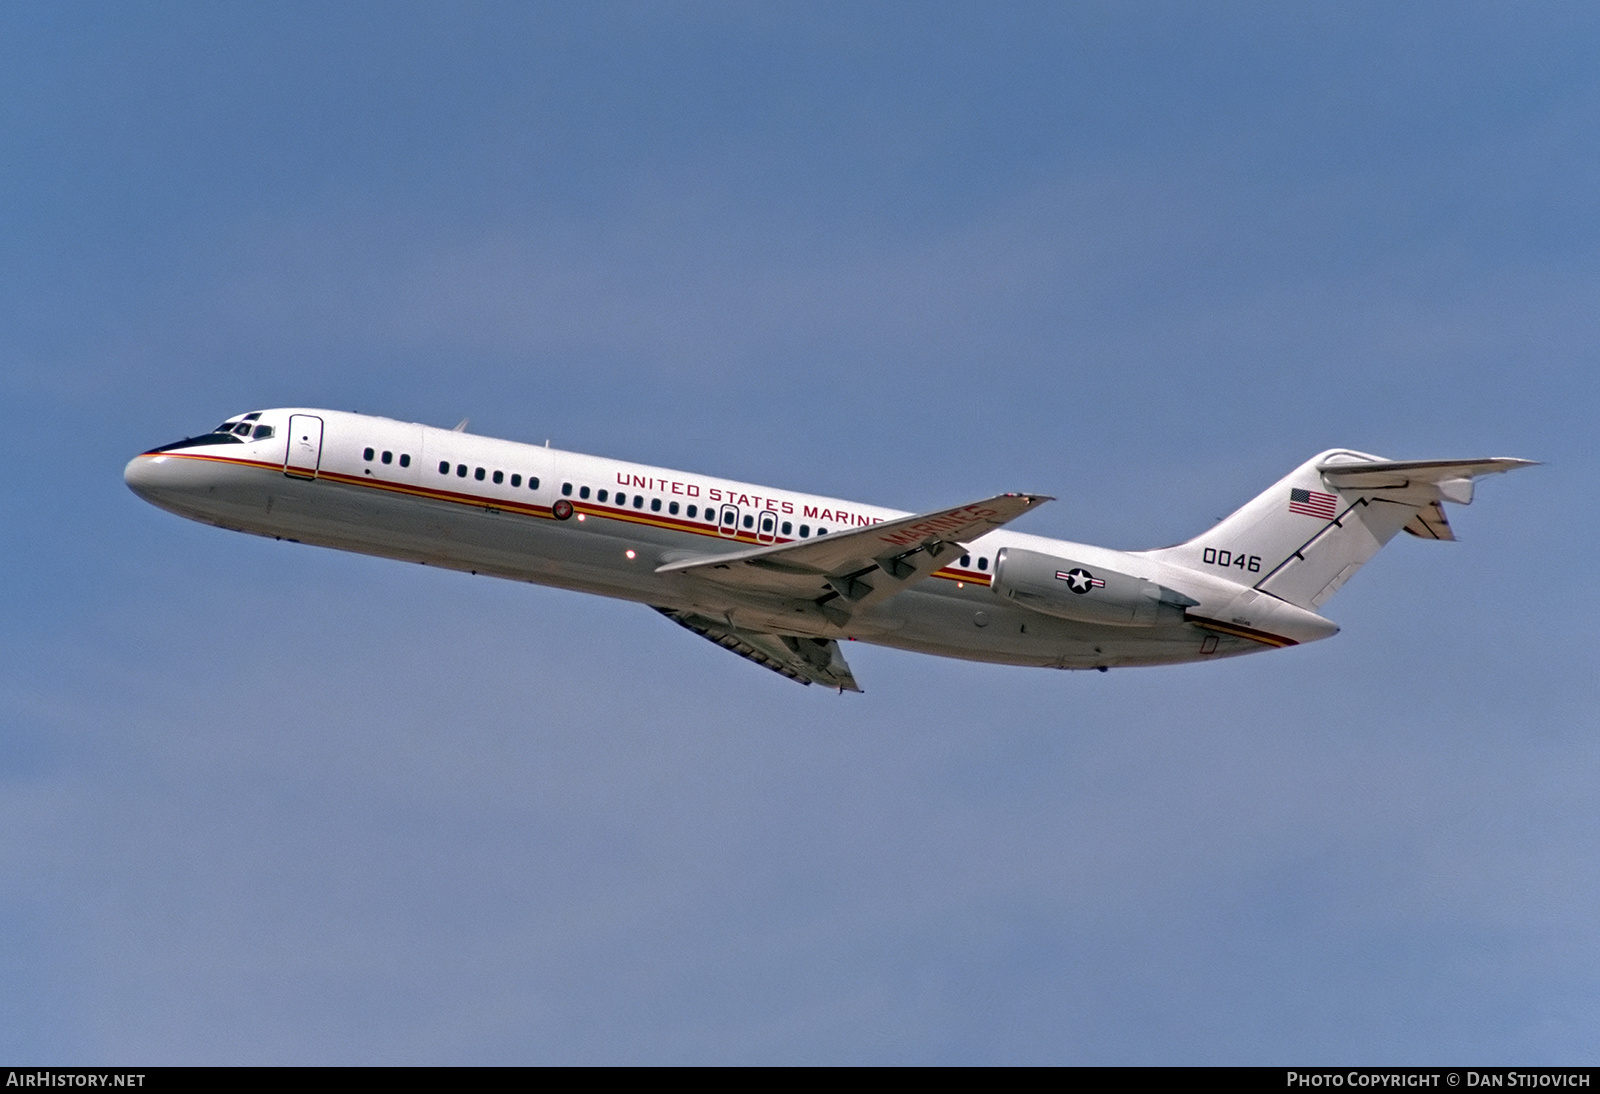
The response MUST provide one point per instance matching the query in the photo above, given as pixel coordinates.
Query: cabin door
(305, 446)
(728, 525)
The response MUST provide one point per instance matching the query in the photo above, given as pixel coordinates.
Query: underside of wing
(860, 567)
(804, 660)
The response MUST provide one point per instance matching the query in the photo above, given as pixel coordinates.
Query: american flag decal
(1309, 503)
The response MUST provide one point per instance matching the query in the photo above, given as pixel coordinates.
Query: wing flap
(804, 660)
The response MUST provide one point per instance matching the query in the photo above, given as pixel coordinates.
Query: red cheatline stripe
(1275, 640)
(543, 511)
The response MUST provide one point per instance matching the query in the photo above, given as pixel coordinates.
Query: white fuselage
(454, 500)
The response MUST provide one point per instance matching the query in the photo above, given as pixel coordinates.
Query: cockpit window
(196, 442)
(235, 430)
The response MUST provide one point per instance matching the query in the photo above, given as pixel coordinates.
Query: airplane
(781, 577)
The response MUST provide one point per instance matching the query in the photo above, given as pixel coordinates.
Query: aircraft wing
(852, 569)
(805, 660)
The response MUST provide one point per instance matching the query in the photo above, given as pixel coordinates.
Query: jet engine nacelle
(1087, 594)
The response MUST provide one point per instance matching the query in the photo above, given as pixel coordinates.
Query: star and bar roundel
(1079, 580)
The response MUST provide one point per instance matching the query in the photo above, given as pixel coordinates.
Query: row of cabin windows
(603, 495)
(388, 457)
(673, 508)
(480, 473)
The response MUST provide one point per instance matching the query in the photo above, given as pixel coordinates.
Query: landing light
(630, 552)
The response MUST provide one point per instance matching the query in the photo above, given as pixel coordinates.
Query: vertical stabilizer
(1304, 537)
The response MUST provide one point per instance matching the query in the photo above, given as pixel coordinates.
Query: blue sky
(264, 803)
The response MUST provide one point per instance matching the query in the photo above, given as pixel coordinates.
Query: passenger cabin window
(388, 457)
(602, 495)
(638, 501)
(566, 489)
(693, 511)
(655, 505)
(405, 460)
(516, 480)
(367, 454)
(478, 474)
(672, 508)
(499, 477)
(444, 467)
(966, 560)
(533, 483)
(805, 531)
(583, 492)
(749, 521)
(461, 470)
(786, 527)
(983, 564)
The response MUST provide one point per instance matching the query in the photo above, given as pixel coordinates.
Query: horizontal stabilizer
(1344, 472)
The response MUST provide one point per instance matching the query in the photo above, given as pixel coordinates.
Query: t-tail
(1303, 538)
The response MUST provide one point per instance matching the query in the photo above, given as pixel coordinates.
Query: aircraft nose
(150, 477)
